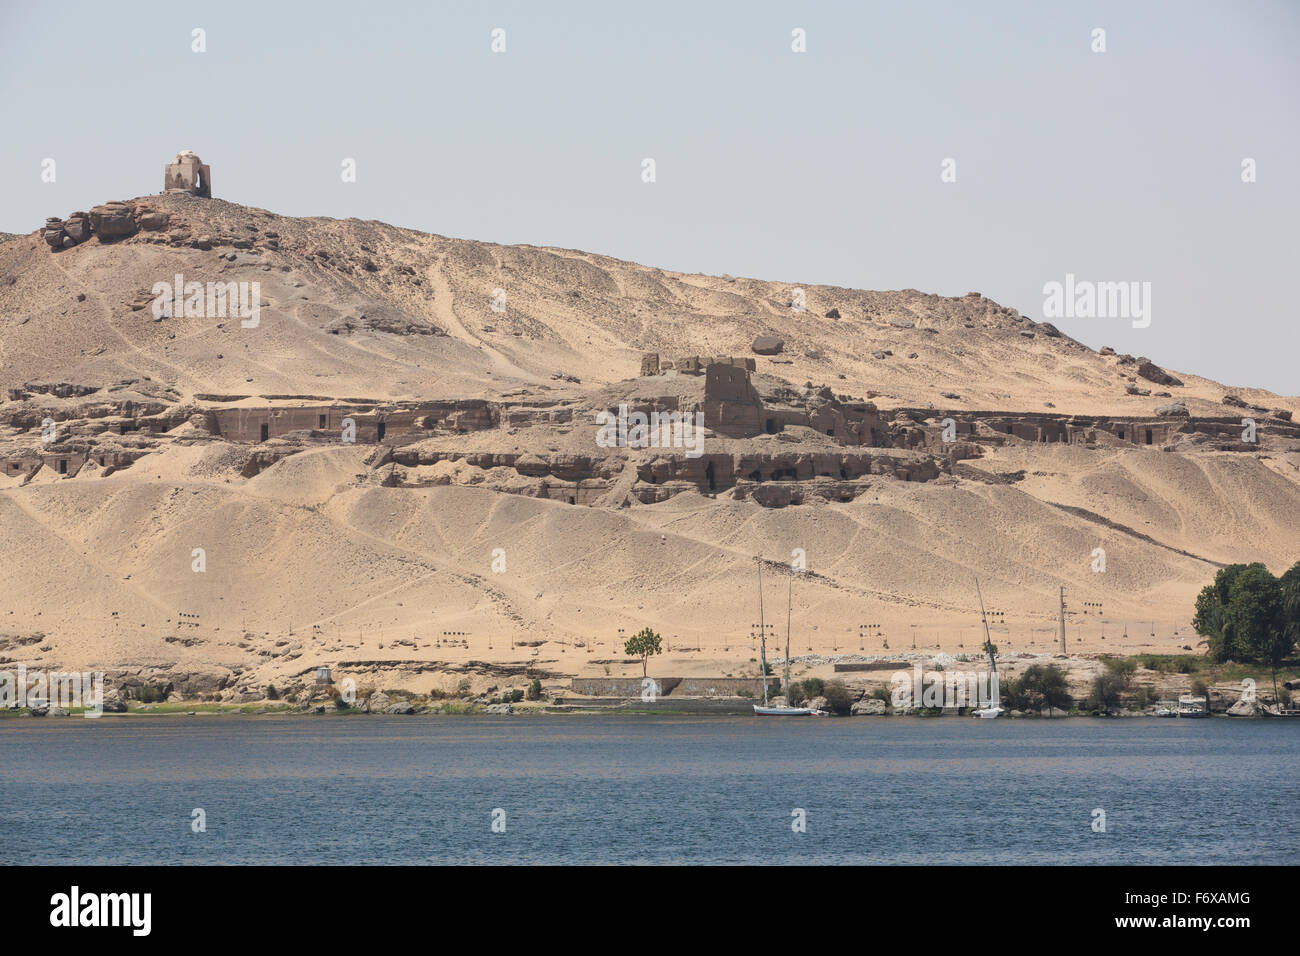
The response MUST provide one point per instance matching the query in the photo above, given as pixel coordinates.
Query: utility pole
(1063, 620)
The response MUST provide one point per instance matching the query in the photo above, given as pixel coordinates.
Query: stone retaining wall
(630, 687)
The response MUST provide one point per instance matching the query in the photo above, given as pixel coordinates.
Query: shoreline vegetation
(1121, 687)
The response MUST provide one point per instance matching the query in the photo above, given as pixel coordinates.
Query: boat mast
(788, 597)
(1063, 620)
(762, 627)
(988, 639)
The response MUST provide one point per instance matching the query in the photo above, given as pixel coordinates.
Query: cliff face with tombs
(765, 440)
(406, 403)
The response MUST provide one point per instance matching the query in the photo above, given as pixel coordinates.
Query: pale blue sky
(814, 167)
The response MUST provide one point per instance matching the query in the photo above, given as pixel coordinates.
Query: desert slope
(456, 544)
(588, 315)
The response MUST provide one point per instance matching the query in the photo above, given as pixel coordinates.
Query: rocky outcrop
(152, 220)
(1173, 410)
(1154, 373)
(392, 323)
(869, 707)
(113, 220)
(57, 235)
(768, 345)
(77, 227)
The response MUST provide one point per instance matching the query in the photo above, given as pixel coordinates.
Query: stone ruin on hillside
(734, 408)
(188, 174)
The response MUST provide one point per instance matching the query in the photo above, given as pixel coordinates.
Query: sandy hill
(381, 552)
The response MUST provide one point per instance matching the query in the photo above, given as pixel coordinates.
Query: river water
(624, 789)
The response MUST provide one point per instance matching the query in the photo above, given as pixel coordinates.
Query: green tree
(1250, 616)
(1290, 582)
(1255, 607)
(1107, 690)
(1281, 642)
(643, 644)
(837, 697)
(1211, 617)
(1243, 615)
(1040, 686)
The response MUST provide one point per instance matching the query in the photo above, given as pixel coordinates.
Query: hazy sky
(815, 167)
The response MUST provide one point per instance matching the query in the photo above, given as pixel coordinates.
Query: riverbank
(687, 707)
(844, 685)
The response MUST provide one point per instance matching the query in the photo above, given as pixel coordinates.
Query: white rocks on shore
(1243, 708)
(869, 707)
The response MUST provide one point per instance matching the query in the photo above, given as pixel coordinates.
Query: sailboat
(992, 710)
(766, 709)
(1283, 713)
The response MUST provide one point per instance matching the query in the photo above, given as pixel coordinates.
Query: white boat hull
(761, 711)
(989, 713)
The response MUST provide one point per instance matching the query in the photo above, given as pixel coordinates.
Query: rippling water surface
(590, 789)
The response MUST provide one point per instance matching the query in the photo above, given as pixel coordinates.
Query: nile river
(598, 789)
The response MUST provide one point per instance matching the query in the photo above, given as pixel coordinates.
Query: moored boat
(1281, 713)
(771, 711)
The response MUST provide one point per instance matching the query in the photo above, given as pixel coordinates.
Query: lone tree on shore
(1107, 691)
(642, 644)
(1040, 686)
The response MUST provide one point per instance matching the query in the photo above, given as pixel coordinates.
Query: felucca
(766, 709)
(993, 709)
